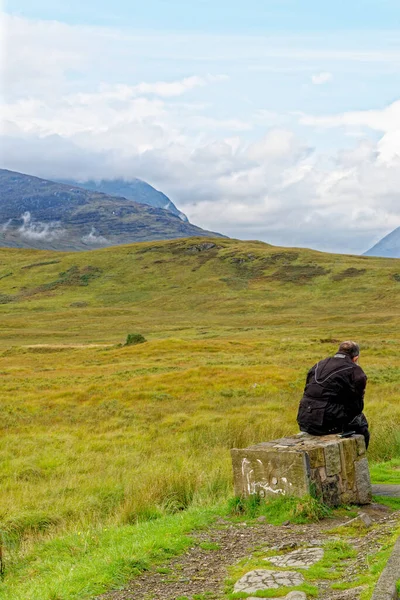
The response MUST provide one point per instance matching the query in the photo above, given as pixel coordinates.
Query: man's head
(351, 349)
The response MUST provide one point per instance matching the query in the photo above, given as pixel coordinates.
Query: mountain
(389, 246)
(42, 214)
(136, 190)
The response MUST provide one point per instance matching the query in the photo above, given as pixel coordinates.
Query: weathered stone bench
(333, 468)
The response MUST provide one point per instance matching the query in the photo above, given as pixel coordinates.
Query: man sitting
(333, 398)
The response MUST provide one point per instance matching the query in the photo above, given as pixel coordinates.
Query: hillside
(197, 283)
(135, 189)
(42, 214)
(111, 454)
(389, 246)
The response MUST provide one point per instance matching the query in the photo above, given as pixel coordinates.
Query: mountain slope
(136, 190)
(389, 246)
(42, 214)
(203, 283)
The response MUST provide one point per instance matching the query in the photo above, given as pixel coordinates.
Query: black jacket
(333, 395)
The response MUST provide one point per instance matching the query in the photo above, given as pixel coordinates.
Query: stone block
(322, 473)
(317, 457)
(334, 468)
(348, 455)
(347, 497)
(361, 519)
(332, 459)
(316, 479)
(361, 445)
(331, 491)
(265, 470)
(363, 481)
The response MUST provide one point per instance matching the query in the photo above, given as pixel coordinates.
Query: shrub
(297, 273)
(134, 338)
(351, 272)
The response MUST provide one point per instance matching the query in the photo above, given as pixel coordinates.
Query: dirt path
(201, 573)
(393, 491)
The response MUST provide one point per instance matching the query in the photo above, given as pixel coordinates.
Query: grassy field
(97, 436)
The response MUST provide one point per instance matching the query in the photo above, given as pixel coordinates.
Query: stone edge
(386, 588)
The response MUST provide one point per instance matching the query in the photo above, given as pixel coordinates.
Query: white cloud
(247, 176)
(321, 78)
(275, 188)
(379, 119)
(169, 89)
(385, 120)
(94, 239)
(5, 226)
(36, 230)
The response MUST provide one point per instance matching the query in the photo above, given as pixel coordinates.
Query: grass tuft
(279, 510)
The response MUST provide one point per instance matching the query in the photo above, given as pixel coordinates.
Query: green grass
(331, 567)
(310, 590)
(101, 436)
(376, 563)
(386, 472)
(92, 560)
(393, 503)
(278, 510)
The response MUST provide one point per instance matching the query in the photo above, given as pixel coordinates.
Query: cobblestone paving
(263, 579)
(302, 558)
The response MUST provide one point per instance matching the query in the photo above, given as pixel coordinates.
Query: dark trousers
(333, 421)
(360, 425)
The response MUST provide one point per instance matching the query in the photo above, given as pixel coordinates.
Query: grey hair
(350, 348)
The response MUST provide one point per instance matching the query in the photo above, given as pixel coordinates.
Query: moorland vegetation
(111, 451)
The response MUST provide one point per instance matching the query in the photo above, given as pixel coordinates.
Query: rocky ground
(202, 573)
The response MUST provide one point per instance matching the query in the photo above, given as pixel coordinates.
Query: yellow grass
(96, 433)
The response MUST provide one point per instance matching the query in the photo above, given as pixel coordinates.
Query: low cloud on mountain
(94, 238)
(36, 230)
(264, 174)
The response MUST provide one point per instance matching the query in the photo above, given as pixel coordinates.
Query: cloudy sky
(276, 120)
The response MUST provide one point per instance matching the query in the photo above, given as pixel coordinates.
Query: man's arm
(309, 375)
(360, 383)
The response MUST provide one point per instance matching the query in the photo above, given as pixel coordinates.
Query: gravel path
(201, 571)
(386, 490)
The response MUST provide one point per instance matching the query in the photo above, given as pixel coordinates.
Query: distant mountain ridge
(135, 189)
(388, 247)
(43, 214)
